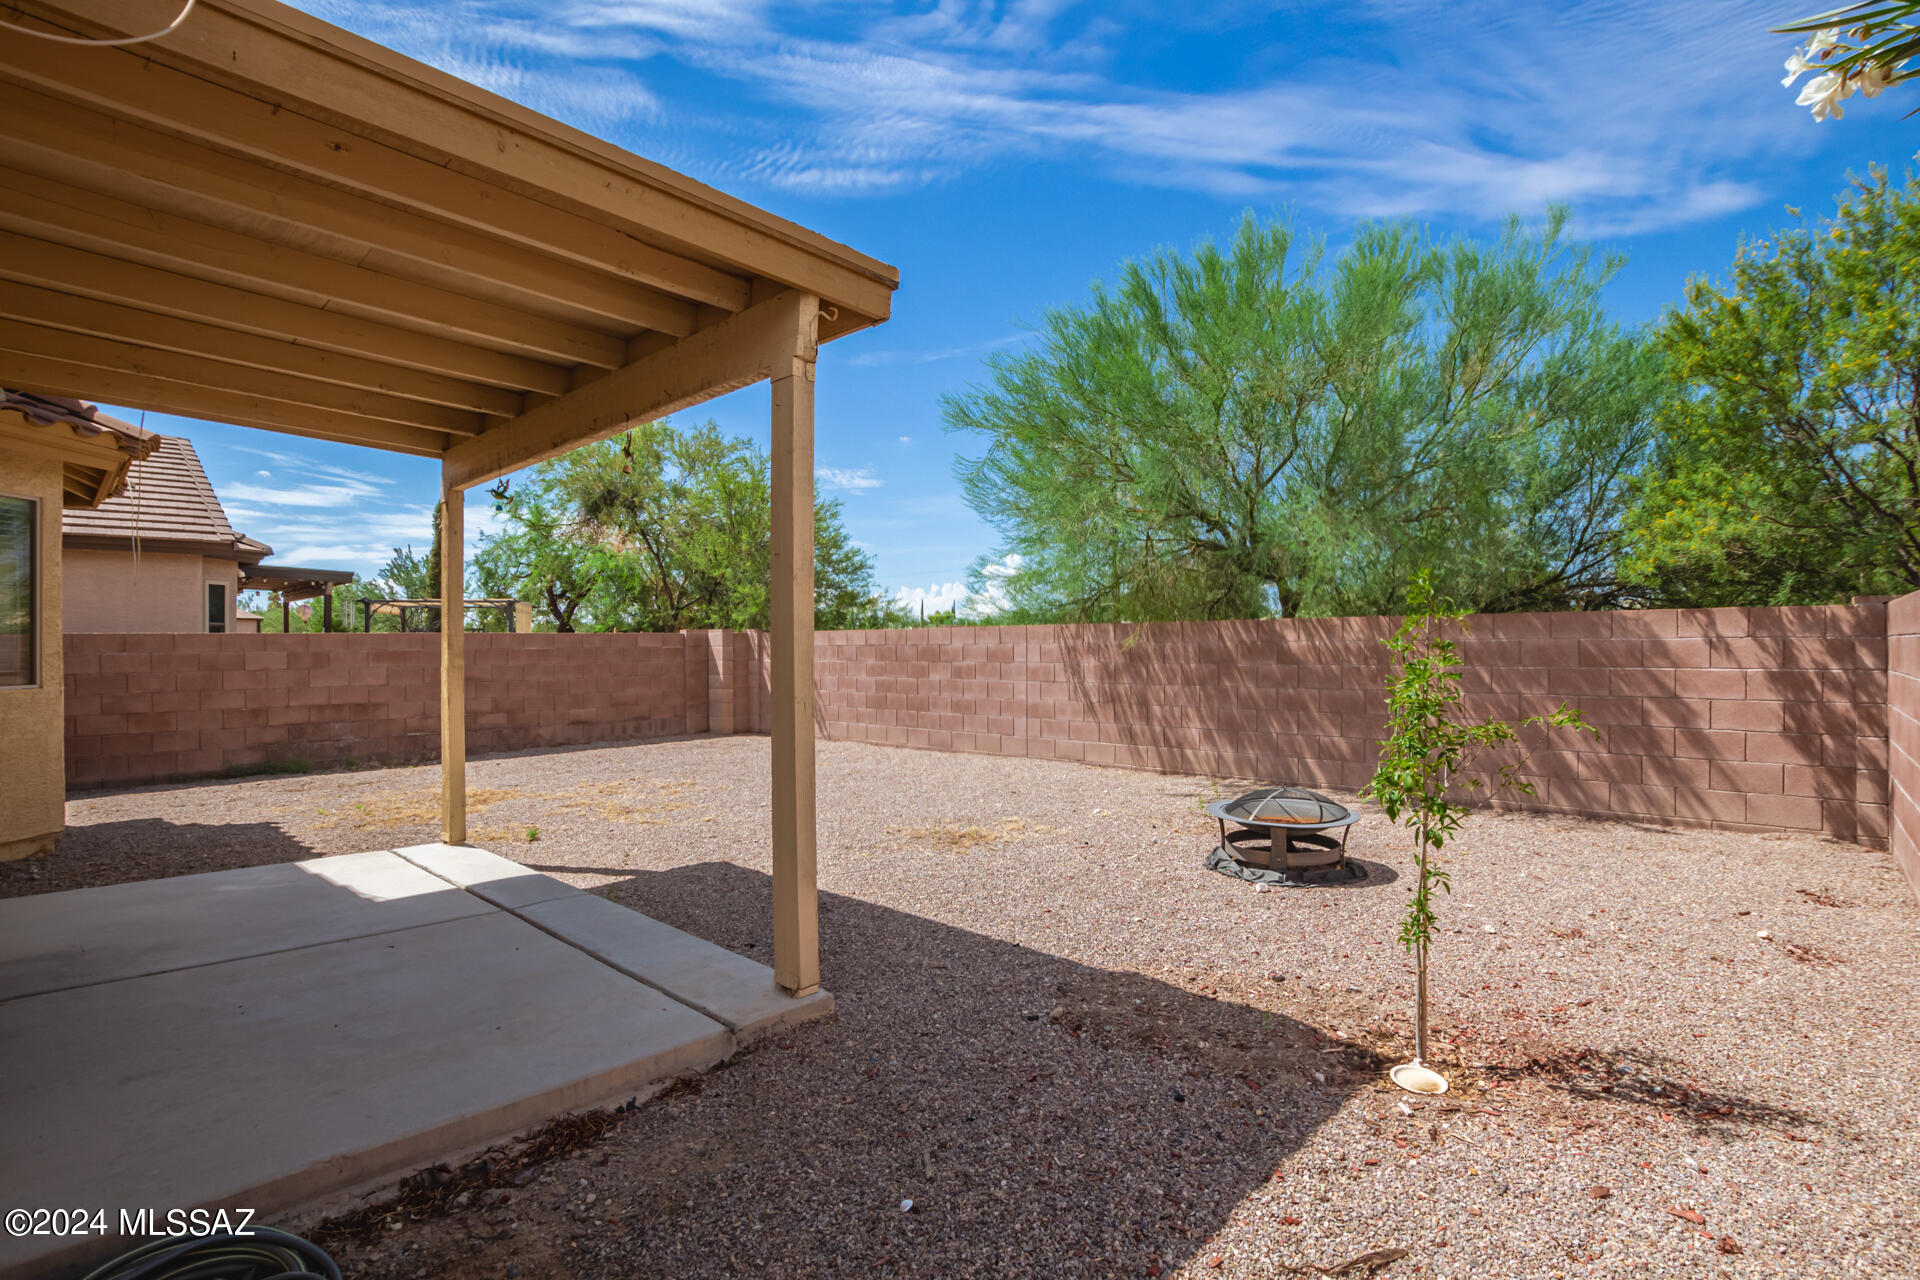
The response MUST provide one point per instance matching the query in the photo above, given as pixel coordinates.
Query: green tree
(1429, 753)
(1250, 430)
(407, 576)
(433, 555)
(659, 529)
(1789, 471)
(537, 558)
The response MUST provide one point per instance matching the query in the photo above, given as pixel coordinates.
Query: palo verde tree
(1253, 429)
(1789, 465)
(1429, 754)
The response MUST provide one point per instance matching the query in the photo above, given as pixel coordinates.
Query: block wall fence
(1798, 719)
(1903, 731)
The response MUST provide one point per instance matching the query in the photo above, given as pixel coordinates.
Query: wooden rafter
(163, 395)
(111, 279)
(137, 328)
(214, 114)
(65, 215)
(28, 339)
(91, 149)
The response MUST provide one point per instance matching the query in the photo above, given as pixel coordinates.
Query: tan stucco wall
(33, 770)
(111, 591)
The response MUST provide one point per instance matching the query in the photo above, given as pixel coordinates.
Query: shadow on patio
(149, 849)
(994, 1085)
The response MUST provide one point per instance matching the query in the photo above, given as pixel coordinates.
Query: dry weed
(957, 837)
(646, 801)
(409, 808)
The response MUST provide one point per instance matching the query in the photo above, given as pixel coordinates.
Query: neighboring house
(56, 455)
(162, 556)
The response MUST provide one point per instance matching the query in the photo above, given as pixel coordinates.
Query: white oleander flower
(1873, 78)
(1823, 42)
(1823, 93)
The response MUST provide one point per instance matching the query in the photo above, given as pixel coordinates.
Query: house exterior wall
(155, 592)
(33, 785)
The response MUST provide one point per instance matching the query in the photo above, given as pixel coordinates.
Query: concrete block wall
(149, 708)
(1903, 731)
(1747, 719)
(1804, 719)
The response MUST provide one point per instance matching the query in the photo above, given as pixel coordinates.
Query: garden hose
(262, 1254)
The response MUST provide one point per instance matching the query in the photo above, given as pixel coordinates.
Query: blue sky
(1004, 156)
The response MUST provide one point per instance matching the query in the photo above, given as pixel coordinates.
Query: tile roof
(167, 502)
(84, 419)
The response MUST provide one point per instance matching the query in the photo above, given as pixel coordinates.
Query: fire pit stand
(1286, 830)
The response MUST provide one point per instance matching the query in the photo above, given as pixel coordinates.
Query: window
(19, 591)
(216, 607)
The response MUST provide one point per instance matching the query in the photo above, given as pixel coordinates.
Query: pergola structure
(405, 609)
(293, 582)
(261, 219)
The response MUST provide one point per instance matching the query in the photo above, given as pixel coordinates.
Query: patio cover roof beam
(736, 352)
(30, 339)
(66, 215)
(405, 109)
(52, 309)
(162, 395)
(116, 280)
(145, 166)
(213, 114)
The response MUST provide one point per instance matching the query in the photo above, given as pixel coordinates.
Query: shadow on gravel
(1637, 1078)
(148, 849)
(1045, 1117)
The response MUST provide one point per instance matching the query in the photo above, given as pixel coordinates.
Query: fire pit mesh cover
(1291, 806)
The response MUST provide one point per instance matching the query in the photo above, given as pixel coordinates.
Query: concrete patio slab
(728, 987)
(501, 881)
(60, 940)
(267, 1037)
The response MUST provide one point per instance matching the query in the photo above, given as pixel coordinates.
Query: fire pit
(1282, 830)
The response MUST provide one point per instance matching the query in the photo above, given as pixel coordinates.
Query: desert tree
(1426, 776)
(1262, 428)
(1789, 465)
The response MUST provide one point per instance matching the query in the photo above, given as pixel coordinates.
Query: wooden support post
(796, 908)
(286, 614)
(453, 665)
(326, 611)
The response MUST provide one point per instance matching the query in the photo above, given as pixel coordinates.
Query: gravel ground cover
(1078, 1053)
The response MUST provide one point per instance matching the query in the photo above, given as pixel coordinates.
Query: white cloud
(938, 598)
(906, 439)
(306, 495)
(993, 598)
(869, 358)
(1644, 113)
(942, 596)
(842, 480)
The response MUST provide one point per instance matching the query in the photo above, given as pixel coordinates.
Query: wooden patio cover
(264, 220)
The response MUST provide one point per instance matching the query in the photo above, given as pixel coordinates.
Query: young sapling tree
(1431, 746)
